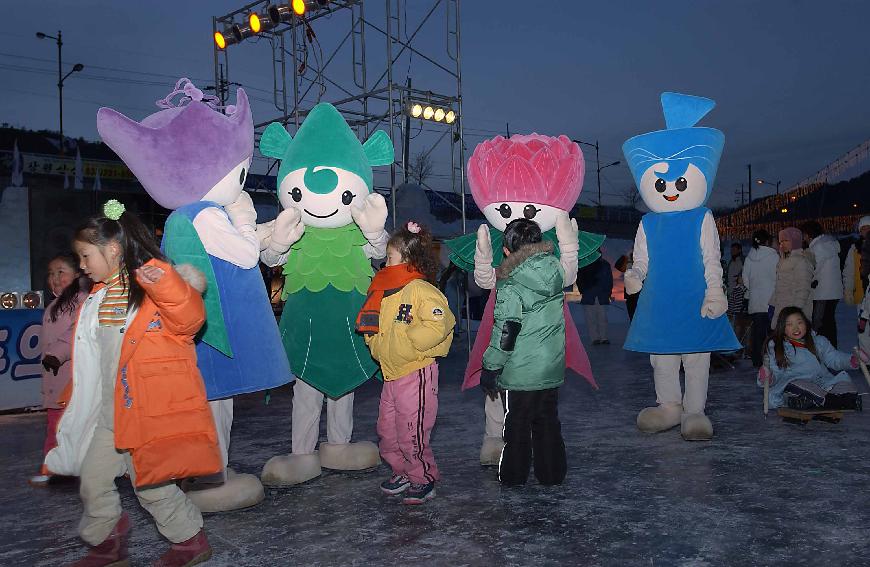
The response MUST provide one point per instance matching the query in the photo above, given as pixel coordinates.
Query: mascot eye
(505, 211)
(296, 194)
(529, 211)
(347, 197)
(661, 185)
(682, 184)
(242, 177)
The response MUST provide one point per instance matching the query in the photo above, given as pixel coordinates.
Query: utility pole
(598, 169)
(60, 76)
(598, 175)
(749, 180)
(406, 147)
(742, 194)
(60, 85)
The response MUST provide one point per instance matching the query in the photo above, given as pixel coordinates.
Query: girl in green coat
(526, 356)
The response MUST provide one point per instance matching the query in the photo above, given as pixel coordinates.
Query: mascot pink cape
(526, 176)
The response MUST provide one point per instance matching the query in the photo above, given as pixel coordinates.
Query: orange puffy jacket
(161, 412)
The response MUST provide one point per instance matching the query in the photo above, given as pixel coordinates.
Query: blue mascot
(680, 314)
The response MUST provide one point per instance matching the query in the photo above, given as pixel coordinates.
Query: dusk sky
(791, 78)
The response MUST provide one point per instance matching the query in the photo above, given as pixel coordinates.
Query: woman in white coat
(827, 279)
(794, 274)
(759, 277)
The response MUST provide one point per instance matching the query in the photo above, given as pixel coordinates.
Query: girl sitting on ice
(800, 367)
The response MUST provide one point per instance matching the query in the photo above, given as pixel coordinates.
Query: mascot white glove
(264, 234)
(715, 305)
(484, 273)
(287, 231)
(566, 235)
(242, 212)
(632, 281)
(370, 217)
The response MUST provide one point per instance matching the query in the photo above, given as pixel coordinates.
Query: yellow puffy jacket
(415, 326)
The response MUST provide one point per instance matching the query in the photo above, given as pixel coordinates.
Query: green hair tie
(113, 209)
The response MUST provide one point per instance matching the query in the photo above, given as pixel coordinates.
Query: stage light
(241, 32)
(254, 22)
(9, 300)
(32, 300)
(280, 13)
(224, 38)
(426, 111)
(784, 210)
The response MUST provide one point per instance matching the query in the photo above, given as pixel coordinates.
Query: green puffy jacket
(528, 338)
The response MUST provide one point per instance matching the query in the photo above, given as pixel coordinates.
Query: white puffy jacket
(826, 251)
(759, 277)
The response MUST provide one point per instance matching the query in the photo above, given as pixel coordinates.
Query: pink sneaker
(194, 551)
(113, 551)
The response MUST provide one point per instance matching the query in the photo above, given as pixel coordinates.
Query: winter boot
(696, 427)
(804, 395)
(112, 552)
(659, 418)
(238, 491)
(289, 470)
(194, 551)
(843, 396)
(359, 456)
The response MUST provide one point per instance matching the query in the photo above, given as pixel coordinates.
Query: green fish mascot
(331, 227)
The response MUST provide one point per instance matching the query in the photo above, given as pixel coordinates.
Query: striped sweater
(113, 308)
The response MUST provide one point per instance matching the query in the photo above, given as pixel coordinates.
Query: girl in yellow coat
(408, 324)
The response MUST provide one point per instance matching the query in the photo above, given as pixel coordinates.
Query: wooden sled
(802, 417)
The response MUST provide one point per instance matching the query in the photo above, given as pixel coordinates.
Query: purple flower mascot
(194, 159)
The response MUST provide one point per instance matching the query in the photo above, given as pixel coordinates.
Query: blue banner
(20, 357)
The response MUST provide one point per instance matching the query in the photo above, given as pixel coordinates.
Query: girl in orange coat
(137, 403)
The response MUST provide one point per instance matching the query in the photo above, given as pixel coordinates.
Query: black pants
(757, 343)
(823, 319)
(631, 303)
(531, 427)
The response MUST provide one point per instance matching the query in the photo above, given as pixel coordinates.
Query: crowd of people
(142, 362)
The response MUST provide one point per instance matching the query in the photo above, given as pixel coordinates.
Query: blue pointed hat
(681, 143)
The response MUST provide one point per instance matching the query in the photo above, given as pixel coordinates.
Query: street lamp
(60, 76)
(598, 166)
(763, 182)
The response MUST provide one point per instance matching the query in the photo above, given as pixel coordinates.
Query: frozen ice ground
(762, 492)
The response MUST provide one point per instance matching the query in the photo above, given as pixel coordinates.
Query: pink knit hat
(793, 235)
(527, 168)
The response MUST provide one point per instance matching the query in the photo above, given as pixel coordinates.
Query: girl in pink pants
(408, 324)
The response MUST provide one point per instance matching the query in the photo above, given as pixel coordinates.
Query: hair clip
(413, 227)
(113, 209)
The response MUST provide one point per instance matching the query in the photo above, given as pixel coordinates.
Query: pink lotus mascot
(525, 176)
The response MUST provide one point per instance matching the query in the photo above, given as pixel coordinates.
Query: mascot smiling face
(324, 169)
(674, 168)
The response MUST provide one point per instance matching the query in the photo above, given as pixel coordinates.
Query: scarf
(798, 343)
(386, 282)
